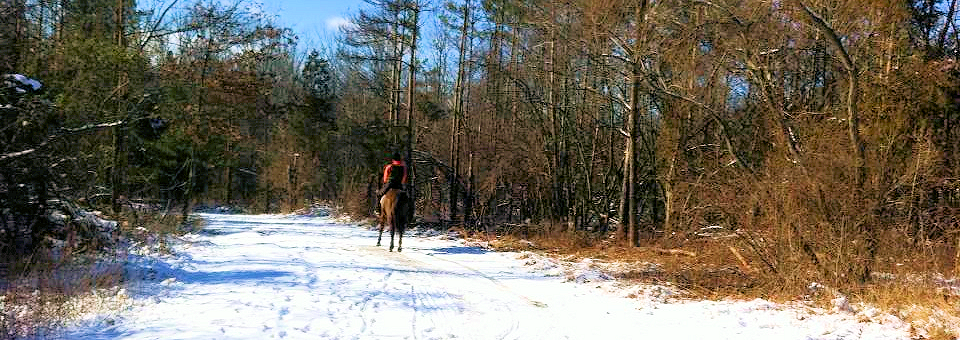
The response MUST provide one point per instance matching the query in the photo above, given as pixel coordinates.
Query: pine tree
(321, 97)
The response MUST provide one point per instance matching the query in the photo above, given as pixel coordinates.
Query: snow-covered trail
(290, 277)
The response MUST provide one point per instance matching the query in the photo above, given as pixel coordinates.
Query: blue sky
(313, 20)
(316, 22)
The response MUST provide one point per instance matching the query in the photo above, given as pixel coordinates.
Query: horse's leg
(392, 231)
(380, 221)
(401, 224)
(400, 241)
(381, 233)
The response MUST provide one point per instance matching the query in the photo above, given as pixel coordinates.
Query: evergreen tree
(321, 96)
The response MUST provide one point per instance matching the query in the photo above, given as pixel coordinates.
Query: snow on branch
(63, 132)
(21, 84)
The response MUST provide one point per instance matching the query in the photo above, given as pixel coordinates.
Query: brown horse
(395, 212)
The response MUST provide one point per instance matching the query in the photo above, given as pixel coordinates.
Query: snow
(33, 83)
(22, 81)
(314, 277)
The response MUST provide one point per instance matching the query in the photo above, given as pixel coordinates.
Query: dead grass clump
(36, 293)
(574, 242)
(512, 243)
(153, 228)
(929, 304)
(65, 279)
(704, 267)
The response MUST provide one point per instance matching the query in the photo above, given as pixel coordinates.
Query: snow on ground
(297, 277)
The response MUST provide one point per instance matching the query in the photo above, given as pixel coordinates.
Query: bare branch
(63, 132)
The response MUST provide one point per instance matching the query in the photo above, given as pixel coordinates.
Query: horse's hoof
(399, 250)
(378, 244)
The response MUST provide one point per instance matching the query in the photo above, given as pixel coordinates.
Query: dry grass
(152, 229)
(719, 268)
(55, 285)
(41, 294)
(709, 272)
(933, 310)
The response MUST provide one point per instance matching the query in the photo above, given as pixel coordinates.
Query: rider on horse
(396, 209)
(394, 175)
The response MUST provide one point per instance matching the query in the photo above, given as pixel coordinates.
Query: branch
(619, 100)
(831, 35)
(946, 25)
(85, 128)
(16, 154)
(713, 113)
(156, 25)
(621, 58)
(63, 132)
(425, 157)
(622, 44)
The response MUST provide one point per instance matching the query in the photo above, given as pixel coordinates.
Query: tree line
(820, 135)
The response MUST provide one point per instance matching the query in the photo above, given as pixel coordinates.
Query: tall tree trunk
(62, 20)
(610, 175)
(411, 87)
(549, 110)
(853, 118)
(471, 185)
(10, 36)
(119, 35)
(632, 122)
(459, 109)
(192, 160)
(119, 134)
(395, 76)
(229, 194)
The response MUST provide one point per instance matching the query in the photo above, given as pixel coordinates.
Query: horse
(395, 212)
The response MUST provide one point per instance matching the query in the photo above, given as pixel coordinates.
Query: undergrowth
(63, 280)
(905, 283)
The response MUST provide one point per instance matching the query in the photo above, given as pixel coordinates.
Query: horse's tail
(399, 206)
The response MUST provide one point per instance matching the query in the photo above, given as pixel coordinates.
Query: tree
(318, 78)
(459, 98)
(12, 35)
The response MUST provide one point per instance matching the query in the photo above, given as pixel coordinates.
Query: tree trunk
(118, 167)
(395, 76)
(458, 110)
(635, 109)
(120, 132)
(411, 87)
(853, 118)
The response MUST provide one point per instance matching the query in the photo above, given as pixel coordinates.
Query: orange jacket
(386, 171)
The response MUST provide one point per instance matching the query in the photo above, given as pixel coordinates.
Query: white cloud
(336, 23)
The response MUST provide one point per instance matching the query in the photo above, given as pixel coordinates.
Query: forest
(797, 140)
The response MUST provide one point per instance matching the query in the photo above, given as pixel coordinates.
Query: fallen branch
(743, 262)
(673, 252)
(17, 154)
